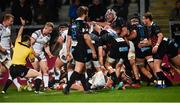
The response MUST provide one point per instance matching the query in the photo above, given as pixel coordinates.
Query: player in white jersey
(61, 59)
(40, 40)
(5, 46)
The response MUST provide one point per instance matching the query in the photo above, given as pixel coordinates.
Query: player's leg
(75, 76)
(44, 68)
(38, 78)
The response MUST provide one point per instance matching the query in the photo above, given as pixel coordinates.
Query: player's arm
(100, 54)
(88, 40)
(2, 50)
(103, 24)
(32, 41)
(21, 29)
(68, 46)
(47, 50)
(145, 42)
(159, 40)
(34, 37)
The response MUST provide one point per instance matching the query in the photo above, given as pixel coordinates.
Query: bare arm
(103, 24)
(21, 28)
(90, 45)
(32, 41)
(47, 49)
(160, 38)
(145, 42)
(68, 44)
(100, 53)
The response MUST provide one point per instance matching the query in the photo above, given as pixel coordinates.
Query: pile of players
(109, 54)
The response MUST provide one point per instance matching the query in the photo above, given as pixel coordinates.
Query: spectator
(22, 9)
(175, 14)
(121, 8)
(40, 13)
(72, 10)
(85, 2)
(52, 6)
(97, 11)
(4, 4)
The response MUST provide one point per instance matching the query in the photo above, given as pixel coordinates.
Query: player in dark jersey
(118, 51)
(160, 46)
(96, 64)
(137, 36)
(79, 34)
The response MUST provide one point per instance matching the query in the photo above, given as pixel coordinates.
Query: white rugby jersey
(5, 34)
(64, 35)
(40, 41)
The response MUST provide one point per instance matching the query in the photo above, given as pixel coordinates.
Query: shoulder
(154, 24)
(1, 27)
(36, 34)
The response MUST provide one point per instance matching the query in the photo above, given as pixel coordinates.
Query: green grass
(144, 94)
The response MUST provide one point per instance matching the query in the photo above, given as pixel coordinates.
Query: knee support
(150, 60)
(140, 64)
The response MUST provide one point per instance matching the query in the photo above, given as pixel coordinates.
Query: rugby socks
(6, 86)
(161, 76)
(57, 75)
(38, 83)
(89, 73)
(128, 68)
(84, 82)
(114, 79)
(74, 76)
(46, 80)
(16, 83)
(69, 75)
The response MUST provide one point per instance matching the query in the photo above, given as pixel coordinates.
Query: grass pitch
(143, 94)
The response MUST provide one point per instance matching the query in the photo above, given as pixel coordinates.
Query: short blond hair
(49, 24)
(7, 17)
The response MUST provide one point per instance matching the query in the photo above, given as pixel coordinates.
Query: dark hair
(25, 38)
(82, 10)
(148, 15)
(8, 16)
(135, 16)
(118, 23)
(63, 25)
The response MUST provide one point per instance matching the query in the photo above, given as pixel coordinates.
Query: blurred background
(36, 12)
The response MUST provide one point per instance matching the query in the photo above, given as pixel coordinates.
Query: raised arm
(21, 28)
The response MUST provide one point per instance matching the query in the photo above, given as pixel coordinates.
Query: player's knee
(140, 64)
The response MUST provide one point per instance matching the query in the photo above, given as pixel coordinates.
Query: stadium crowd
(108, 51)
